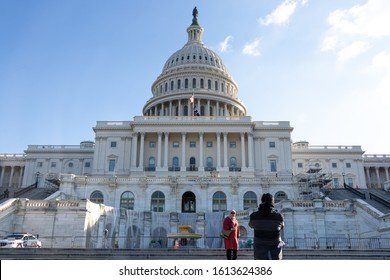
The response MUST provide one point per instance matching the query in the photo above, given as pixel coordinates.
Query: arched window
(250, 200)
(175, 164)
(216, 85)
(171, 85)
(96, 197)
(209, 84)
(193, 83)
(219, 202)
(192, 164)
(152, 164)
(186, 83)
(209, 164)
(158, 202)
(201, 83)
(178, 84)
(280, 196)
(127, 200)
(166, 87)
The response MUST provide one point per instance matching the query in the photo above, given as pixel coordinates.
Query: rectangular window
(209, 144)
(348, 165)
(192, 144)
(152, 144)
(233, 144)
(334, 164)
(87, 164)
(350, 182)
(273, 165)
(175, 144)
(113, 144)
(111, 165)
(53, 164)
(272, 144)
(336, 182)
(300, 165)
(39, 163)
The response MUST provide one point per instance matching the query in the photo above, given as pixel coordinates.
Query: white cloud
(352, 31)
(370, 20)
(282, 13)
(225, 46)
(353, 50)
(252, 48)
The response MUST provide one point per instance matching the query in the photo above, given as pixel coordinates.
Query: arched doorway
(188, 203)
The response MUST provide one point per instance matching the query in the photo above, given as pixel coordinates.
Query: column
(367, 169)
(2, 176)
(183, 151)
(263, 155)
(166, 134)
(208, 107)
(20, 177)
(218, 150)
(378, 179)
(201, 167)
(225, 113)
(225, 153)
(141, 151)
(134, 150)
(11, 177)
(387, 173)
(250, 150)
(179, 109)
(217, 110)
(170, 108)
(243, 158)
(159, 134)
(282, 154)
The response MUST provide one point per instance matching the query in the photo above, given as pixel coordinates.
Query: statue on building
(195, 16)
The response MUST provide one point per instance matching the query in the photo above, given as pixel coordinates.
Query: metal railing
(143, 242)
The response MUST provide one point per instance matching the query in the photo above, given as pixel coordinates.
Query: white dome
(194, 70)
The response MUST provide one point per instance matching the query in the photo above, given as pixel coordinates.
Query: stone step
(182, 254)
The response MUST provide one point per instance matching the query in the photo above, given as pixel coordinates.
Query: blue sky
(322, 65)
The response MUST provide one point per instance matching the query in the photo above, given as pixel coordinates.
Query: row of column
(11, 176)
(183, 153)
(377, 173)
(170, 110)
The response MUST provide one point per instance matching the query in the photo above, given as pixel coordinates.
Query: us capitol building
(194, 154)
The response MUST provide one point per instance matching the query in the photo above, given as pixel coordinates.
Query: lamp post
(343, 179)
(37, 178)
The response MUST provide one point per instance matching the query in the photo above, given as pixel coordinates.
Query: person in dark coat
(267, 223)
(231, 243)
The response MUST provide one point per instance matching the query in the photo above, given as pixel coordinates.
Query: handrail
(380, 200)
(355, 191)
(24, 190)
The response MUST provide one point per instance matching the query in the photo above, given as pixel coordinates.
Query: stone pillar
(250, 150)
(243, 158)
(208, 107)
(141, 151)
(378, 179)
(2, 176)
(201, 167)
(183, 151)
(11, 177)
(166, 134)
(367, 170)
(225, 153)
(159, 135)
(218, 150)
(134, 150)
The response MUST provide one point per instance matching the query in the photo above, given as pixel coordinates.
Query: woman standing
(231, 243)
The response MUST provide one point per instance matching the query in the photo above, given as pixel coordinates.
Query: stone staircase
(182, 254)
(342, 193)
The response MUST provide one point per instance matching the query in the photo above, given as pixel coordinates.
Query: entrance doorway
(188, 204)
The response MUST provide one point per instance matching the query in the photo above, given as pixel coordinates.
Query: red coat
(232, 241)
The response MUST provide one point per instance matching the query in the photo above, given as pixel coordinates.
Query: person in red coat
(231, 243)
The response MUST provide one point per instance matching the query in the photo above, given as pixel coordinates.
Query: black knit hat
(267, 198)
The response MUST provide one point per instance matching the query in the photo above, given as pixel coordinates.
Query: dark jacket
(267, 223)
